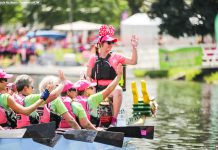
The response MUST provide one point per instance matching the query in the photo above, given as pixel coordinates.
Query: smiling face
(3, 84)
(106, 46)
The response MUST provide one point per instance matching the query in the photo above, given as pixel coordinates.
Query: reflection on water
(187, 116)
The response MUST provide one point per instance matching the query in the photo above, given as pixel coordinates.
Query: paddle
(46, 130)
(135, 131)
(105, 137)
(48, 141)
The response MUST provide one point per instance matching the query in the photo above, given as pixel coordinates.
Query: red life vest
(67, 102)
(22, 120)
(83, 101)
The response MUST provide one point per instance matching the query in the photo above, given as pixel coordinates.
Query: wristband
(45, 94)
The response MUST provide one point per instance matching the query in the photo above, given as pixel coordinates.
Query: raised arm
(106, 92)
(21, 109)
(57, 91)
(134, 58)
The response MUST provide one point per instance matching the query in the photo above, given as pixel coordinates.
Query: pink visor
(84, 84)
(106, 38)
(5, 75)
(68, 85)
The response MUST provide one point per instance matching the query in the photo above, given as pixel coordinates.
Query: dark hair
(22, 81)
(80, 92)
(64, 93)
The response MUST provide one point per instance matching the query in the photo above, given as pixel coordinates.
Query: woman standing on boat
(88, 97)
(8, 105)
(102, 66)
(74, 108)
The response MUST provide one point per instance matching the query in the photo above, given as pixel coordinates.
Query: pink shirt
(114, 60)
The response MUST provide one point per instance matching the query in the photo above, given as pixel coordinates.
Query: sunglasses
(109, 42)
(90, 88)
(72, 89)
(3, 79)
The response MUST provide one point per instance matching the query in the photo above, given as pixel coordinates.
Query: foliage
(213, 78)
(139, 72)
(56, 12)
(11, 13)
(189, 74)
(180, 18)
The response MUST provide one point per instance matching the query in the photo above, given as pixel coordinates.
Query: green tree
(56, 12)
(175, 17)
(185, 17)
(204, 12)
(11, 14)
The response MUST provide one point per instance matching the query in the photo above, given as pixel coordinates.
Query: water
(187, 115)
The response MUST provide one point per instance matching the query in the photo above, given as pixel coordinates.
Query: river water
(187, 115)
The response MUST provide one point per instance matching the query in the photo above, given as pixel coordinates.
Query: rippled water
(187, 115)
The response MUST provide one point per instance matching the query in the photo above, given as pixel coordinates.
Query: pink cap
(3, 74)
(84, 84)
(68, 85)
(106, 38)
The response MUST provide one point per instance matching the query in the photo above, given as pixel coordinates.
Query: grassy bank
(178, 74)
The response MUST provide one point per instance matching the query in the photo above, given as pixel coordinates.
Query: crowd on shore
(18, 47)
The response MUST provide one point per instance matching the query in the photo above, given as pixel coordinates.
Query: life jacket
(3, 117)
(22, 120)
(103, 69)
(83, 101)
(67, 102)
(44, 114)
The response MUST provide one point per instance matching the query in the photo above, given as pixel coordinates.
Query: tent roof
(77, 26)
(141, 19)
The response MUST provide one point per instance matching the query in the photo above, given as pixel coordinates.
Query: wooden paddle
(135, 131)
(46, 130)
(105, 137)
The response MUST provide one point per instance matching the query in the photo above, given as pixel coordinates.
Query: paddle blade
(14, 133)
(51, 142)
(45, 130)
(135, 131)
(81, 135)
(110, 138)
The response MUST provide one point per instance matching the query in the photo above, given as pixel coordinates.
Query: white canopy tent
(142, 26)
(146, 30)
(77, 26)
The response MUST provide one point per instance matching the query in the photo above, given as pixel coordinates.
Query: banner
(180, 58)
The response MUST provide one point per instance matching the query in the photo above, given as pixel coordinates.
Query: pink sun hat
(68, 85)
(84, 84)
(3, 74)
(106, 38)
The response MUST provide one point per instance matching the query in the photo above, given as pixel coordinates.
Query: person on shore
(91, 100)
(74, 108)
(101, 66)
(8, 105)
